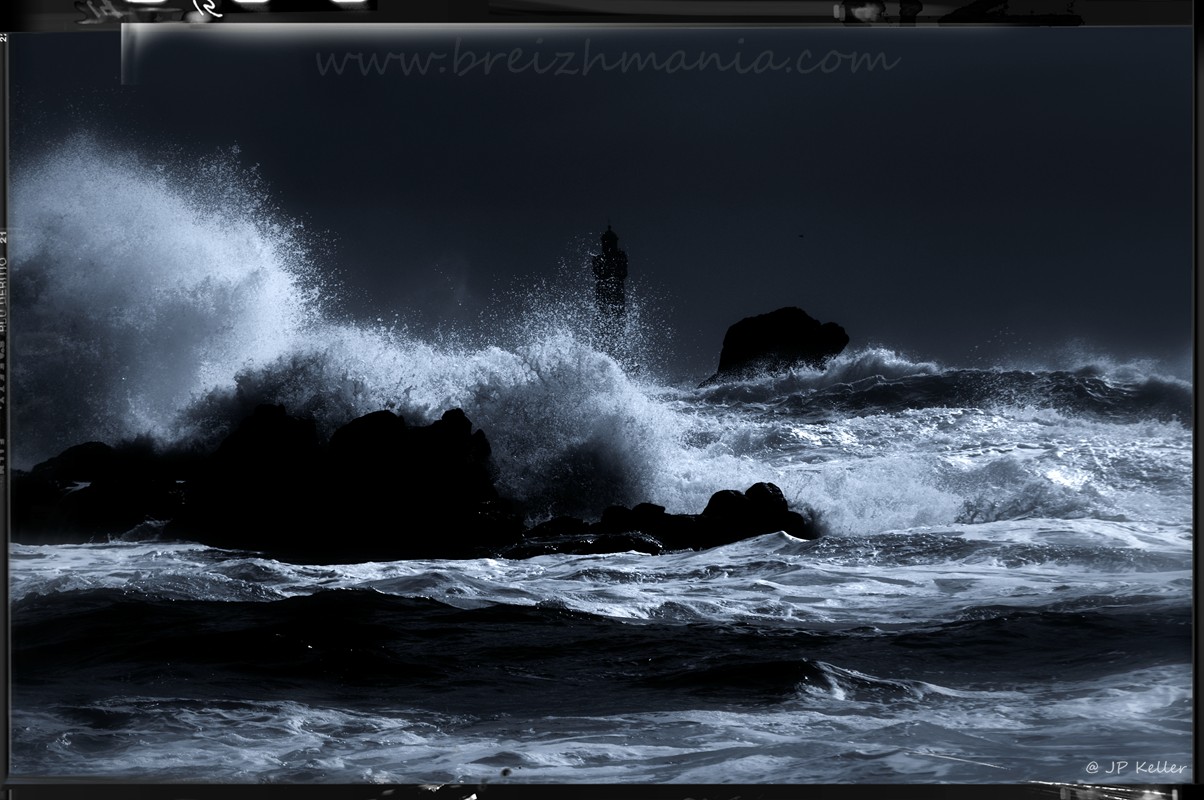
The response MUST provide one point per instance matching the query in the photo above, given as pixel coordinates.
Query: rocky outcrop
(779, 340)
(94, 491)
(378, 490)
(261, 489)
(729, 517)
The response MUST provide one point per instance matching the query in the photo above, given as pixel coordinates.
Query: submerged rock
(777, 341)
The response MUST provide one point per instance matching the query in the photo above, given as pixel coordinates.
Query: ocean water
(1003, 593)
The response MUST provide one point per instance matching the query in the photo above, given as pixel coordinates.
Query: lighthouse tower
(610, 272)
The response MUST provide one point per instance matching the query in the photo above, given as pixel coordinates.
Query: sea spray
(571, 432)
(136, 289)
(170, 302)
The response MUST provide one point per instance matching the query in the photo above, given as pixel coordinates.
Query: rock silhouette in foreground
(779, 340)
(729, 517)
(94, 491)
(378, 490)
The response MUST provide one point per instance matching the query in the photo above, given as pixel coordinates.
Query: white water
(152, 323)
(196, 300)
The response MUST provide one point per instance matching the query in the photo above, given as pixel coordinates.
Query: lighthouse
(610, 272)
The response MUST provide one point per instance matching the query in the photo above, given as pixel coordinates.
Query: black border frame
(32, 16)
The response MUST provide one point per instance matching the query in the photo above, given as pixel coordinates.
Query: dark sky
(996, 193)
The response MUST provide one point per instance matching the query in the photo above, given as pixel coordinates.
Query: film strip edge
(5, 741)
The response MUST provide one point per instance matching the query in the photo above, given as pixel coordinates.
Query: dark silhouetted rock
(647, 516)
(379, 490)
(728, 504)
(616, 519)
(779, 340)
(260, 490)
(81, 463)
(268, 439)
(558, 527)
(93, 492)
(766, 499)
(803, 524)
(632, 541)
(731, 516)
(380, 431)
(681, 532)
(423, 490)
(584, 545)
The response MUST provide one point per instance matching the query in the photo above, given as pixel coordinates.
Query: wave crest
(137, 289)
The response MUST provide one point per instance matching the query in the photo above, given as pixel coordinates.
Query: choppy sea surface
(1003, 594)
